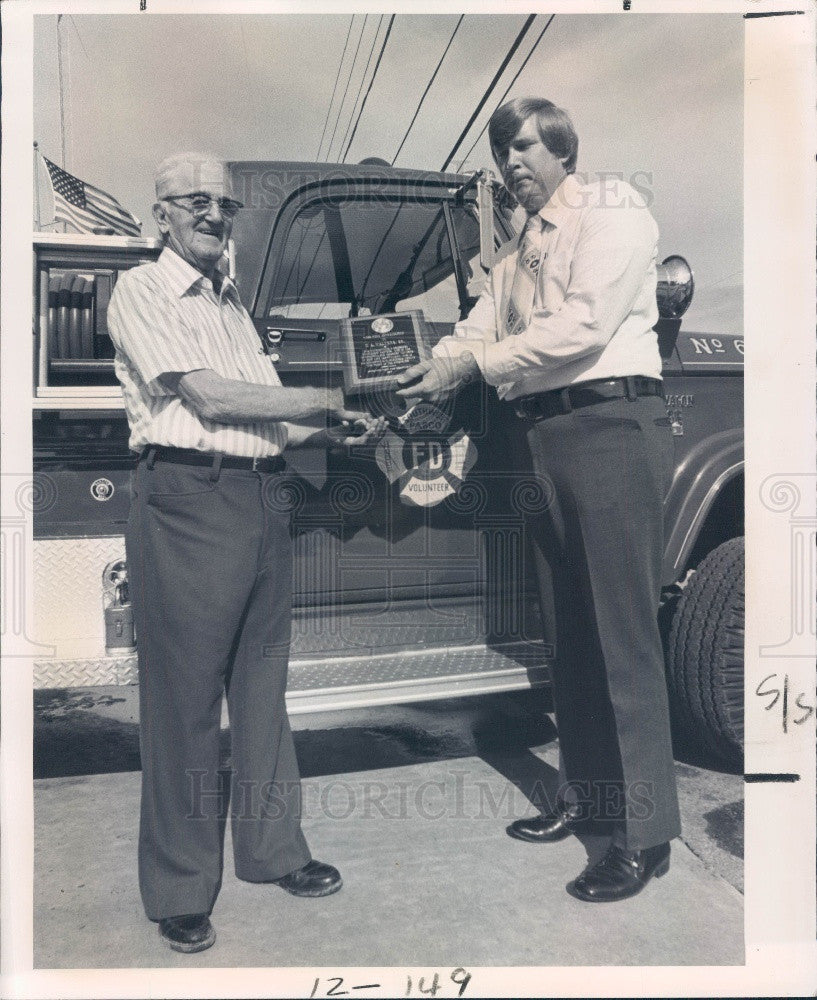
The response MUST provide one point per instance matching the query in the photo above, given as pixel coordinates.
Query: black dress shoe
(314, 879)
(188, 933)
(545, 829)
(620, 874)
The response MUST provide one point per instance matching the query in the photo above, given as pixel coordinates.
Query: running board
(425, 675)
(329, 684)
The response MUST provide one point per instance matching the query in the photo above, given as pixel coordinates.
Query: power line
(362, 81)
(296, 258)
(528, 22)
(369, 89)
(346, 89)
(428, 87)
(94, 76)
(507, 90)
(79, 36)
(334, 89)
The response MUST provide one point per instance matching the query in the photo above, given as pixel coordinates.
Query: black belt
(215, 460)
(558, 401)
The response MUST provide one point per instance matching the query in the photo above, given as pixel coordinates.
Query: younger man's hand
(433, 381)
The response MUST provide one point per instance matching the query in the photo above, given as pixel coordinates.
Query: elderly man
(209, 555)
(564, 330)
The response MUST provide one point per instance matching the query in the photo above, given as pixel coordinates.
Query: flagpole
(62, 102)
(36, 187)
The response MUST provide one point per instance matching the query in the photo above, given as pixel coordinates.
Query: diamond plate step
(85, 672)
(320, 685)
(424, 675)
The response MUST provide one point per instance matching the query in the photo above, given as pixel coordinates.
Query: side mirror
(676, 285)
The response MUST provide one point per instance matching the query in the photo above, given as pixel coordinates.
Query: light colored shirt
(594, 303)
(166, 317)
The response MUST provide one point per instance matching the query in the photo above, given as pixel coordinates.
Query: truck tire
(705, 653)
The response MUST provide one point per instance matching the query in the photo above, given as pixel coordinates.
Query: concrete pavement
(431, 879)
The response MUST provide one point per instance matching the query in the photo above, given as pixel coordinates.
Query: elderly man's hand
(363, 429)
(435, 380)
(336, 405)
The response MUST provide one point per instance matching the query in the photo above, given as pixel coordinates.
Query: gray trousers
(598, 546)
(210, 564)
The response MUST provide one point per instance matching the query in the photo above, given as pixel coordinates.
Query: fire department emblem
(102, 489)
(427, 463)
(382, 325)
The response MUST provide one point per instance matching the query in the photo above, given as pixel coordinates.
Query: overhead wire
(334, 89)
(79, 36)
(244, 41)
(369, 88)
(362, 81)
(319, 247)
(357, 120)
(428, 87)
(507, 91)
(297, 256)
(346, 88)
(302, 284)
(510, 54)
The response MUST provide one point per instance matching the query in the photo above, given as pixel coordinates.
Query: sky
(655, 97)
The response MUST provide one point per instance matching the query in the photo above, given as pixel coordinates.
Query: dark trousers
(210, 568)
(598, 545)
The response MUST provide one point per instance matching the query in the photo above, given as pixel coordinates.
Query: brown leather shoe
(547, 829)
(188, 933)
(314, 879)
(620, 874)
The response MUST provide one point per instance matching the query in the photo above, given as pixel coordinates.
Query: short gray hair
(170, 164)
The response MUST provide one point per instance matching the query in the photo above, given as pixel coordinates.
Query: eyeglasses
(199, 203)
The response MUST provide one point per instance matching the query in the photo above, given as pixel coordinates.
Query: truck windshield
(359, 257)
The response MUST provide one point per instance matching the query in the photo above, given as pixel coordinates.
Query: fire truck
(410, 576)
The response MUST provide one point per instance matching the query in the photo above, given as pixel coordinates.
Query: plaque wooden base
(376, 349)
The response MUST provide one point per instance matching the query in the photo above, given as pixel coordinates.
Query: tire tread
(705, 652)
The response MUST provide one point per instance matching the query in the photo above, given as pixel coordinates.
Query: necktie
(520, 303)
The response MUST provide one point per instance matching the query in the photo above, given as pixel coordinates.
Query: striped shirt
(166, 317)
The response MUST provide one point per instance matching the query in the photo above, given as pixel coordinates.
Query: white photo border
(779, 232)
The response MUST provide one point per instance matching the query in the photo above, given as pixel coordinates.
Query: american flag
(86, 207)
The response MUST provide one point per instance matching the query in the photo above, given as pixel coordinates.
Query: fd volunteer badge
(427, 463)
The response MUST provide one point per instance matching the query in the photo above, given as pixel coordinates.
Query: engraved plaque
(376, 349)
